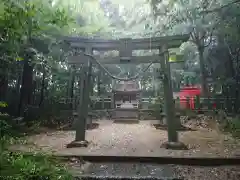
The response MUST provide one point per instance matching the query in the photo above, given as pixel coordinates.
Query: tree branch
(229, 49)
(221, 7)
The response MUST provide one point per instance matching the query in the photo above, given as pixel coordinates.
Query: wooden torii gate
(125, 48)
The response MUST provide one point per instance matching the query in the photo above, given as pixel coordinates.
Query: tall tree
(199, 18)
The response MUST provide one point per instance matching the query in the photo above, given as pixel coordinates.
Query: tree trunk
(17, 92)
(230, 67)
(92, 85)
(3, 87)
(203, 72)
(42, 87)
(3, 80)
(34, 92)
(26, 89)
(99, 83)
(237, 76)
(72, 92)
(18, 84)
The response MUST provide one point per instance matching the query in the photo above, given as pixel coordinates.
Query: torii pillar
(173, 142)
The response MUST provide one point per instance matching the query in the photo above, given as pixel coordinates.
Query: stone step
(125, 114)
(106, 177)
(125, 171)
(126, 121)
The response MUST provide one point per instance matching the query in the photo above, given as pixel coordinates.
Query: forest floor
(134, 140)
(140, 140)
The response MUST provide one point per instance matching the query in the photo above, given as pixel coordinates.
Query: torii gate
(125, 48)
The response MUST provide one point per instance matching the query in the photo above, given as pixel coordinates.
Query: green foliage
(18, 166)
(37, 25)
(233, 126)
(3, 104)
(5, 128)
(157, 107)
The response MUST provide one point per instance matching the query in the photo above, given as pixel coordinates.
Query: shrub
(3, 104)
(234, 127)
(17, 166)
(5, 127)
(157, 107)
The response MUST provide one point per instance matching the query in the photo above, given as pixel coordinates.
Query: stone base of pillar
(174, 146)
(75, 144)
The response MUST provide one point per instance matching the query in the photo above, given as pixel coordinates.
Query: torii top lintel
(130, 44)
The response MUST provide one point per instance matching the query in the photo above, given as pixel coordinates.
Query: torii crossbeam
(125, 47)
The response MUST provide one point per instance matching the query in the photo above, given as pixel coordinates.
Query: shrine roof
(126, 86)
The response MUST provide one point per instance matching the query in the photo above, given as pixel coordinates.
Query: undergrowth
(233, 127)
(19, 166)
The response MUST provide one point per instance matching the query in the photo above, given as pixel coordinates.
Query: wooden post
(188, 103)
(69, 83)
(139, 96)
(84, 102)
(154, 82)
(172, 121)
(99, 83)
(80, 125)
(71, 86)
(209, 103)
(102, 102)
(168, 98)
(197, 102)
(79, 90)
(112, 101)
(89, 90)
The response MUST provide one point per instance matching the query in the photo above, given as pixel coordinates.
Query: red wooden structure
(188, 92)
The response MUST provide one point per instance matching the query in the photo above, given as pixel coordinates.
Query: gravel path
(134, 140)
(141, 140)
(172, 171)
(122, 169)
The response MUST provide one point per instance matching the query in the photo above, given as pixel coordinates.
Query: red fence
(187, 96)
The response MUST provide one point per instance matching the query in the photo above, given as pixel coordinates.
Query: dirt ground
(140, 140)
(134, 140)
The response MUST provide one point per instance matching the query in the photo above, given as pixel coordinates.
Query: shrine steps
(124, 115)
(126, 121)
